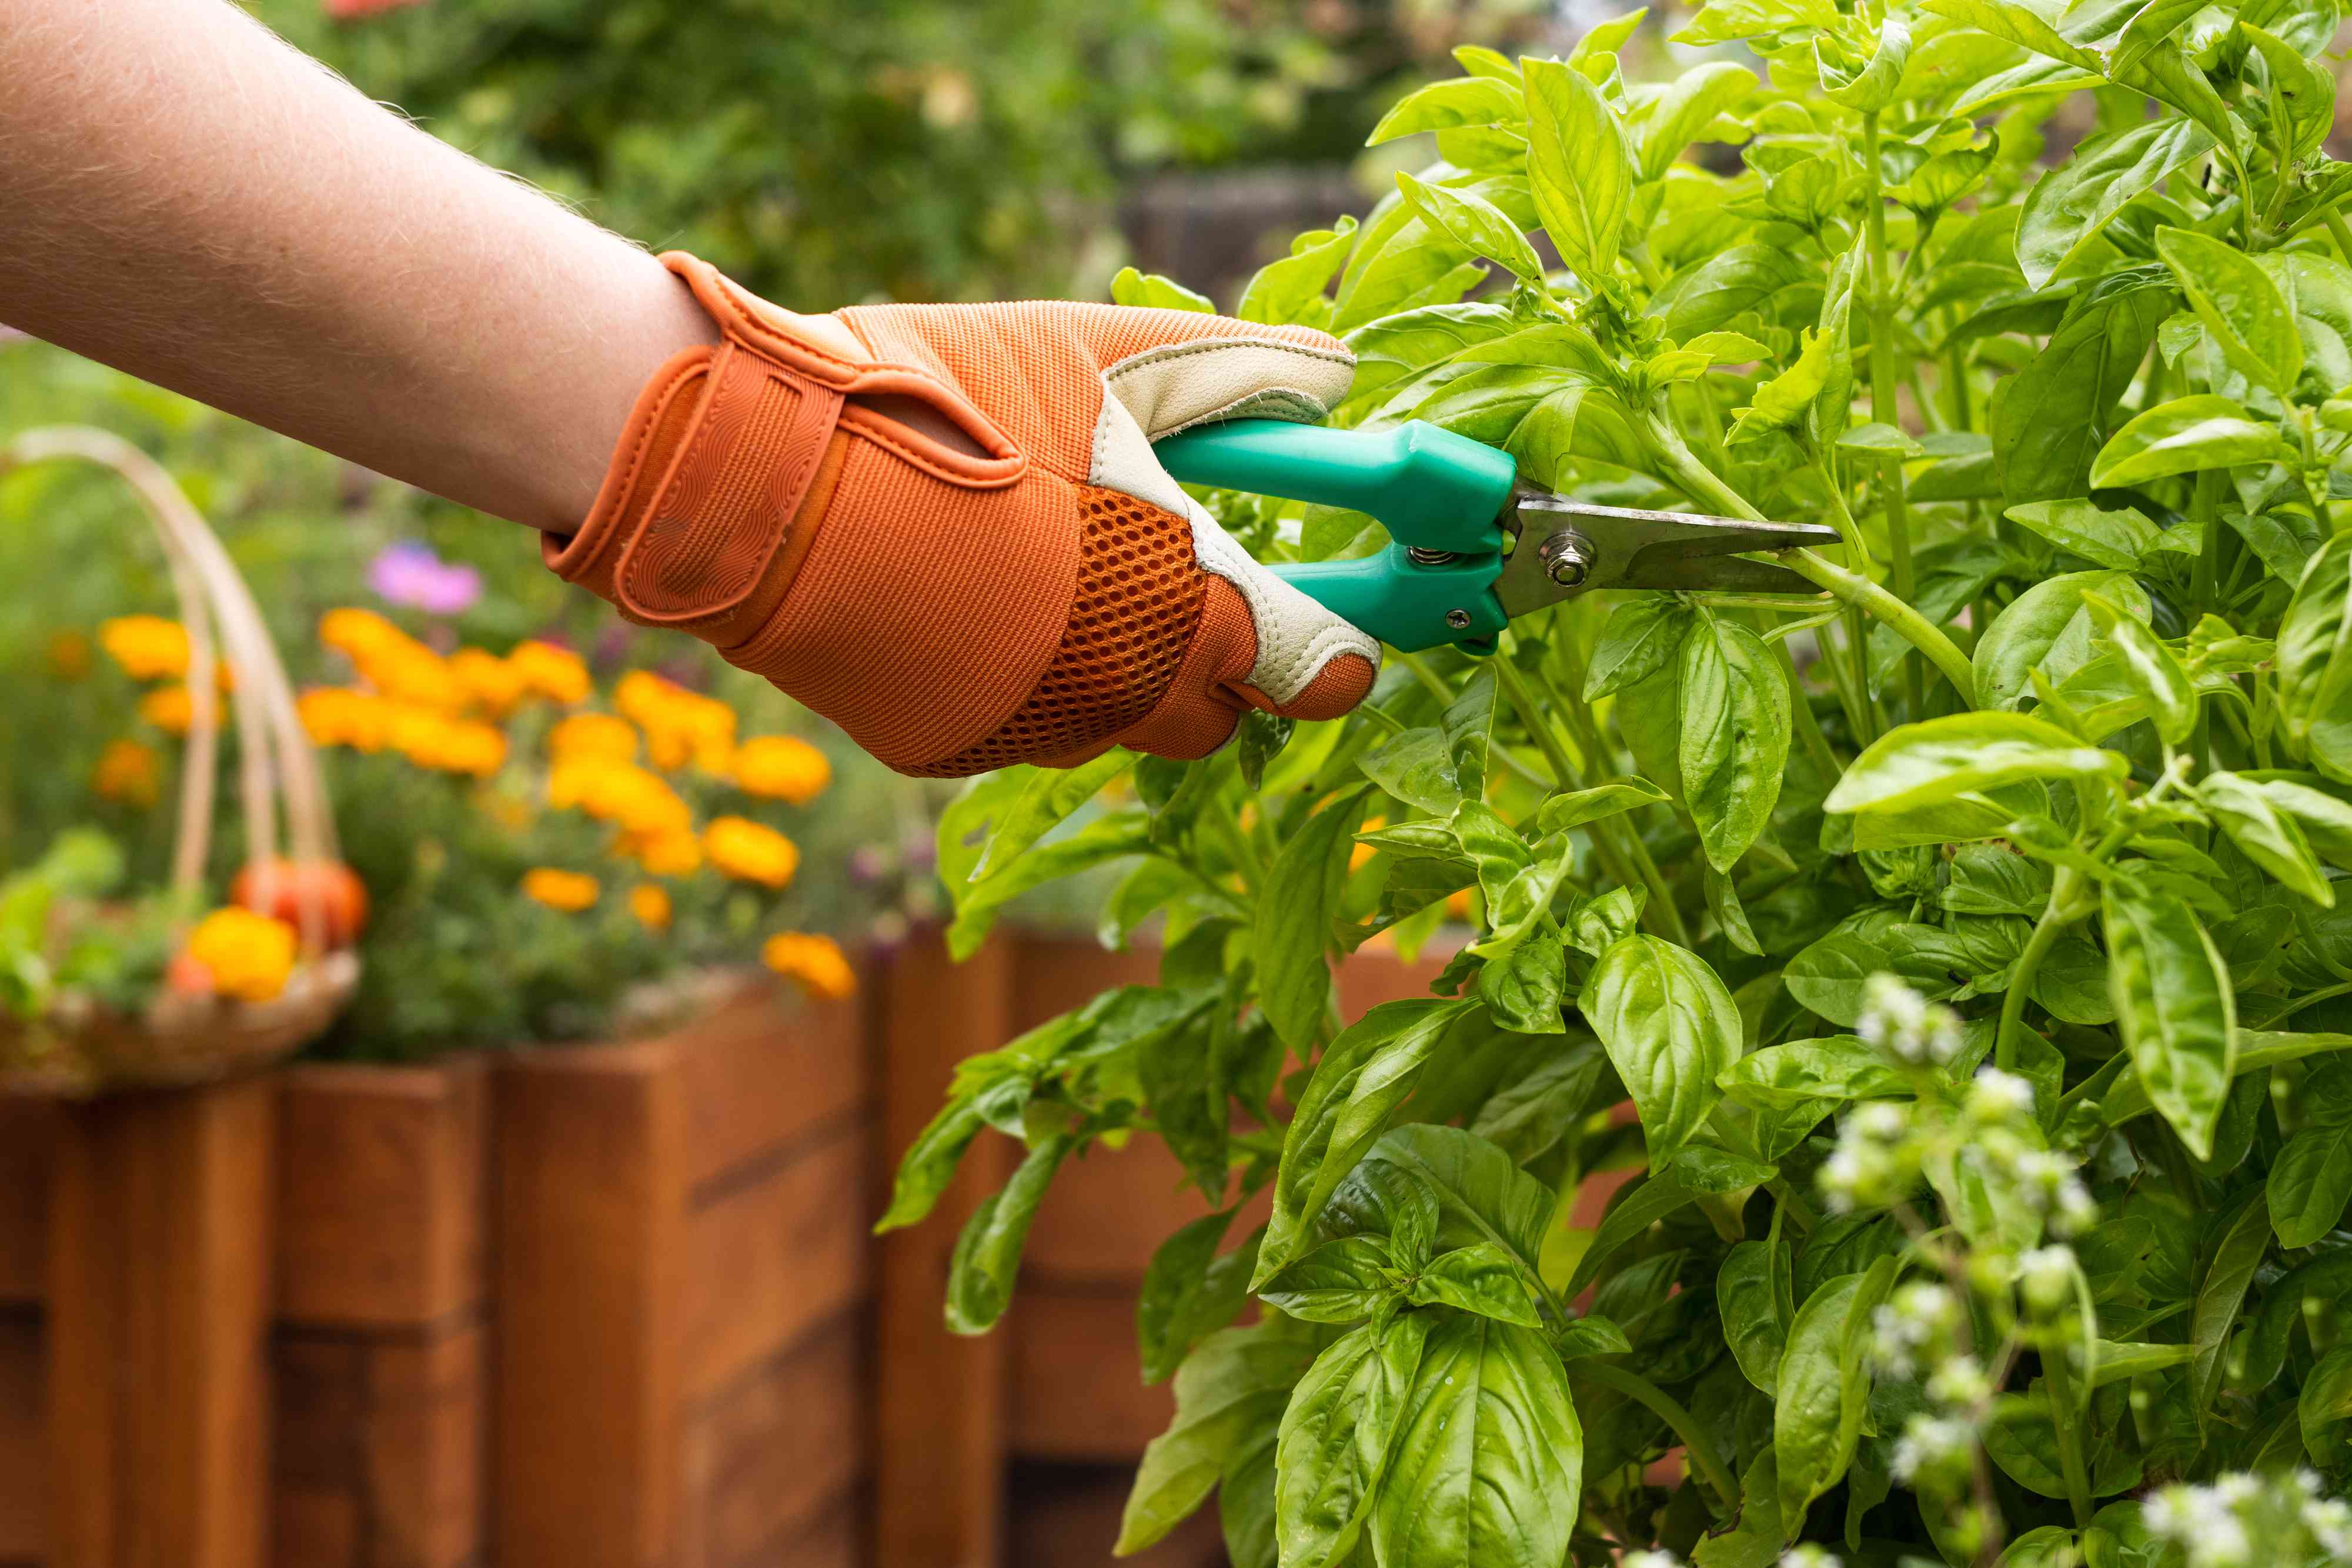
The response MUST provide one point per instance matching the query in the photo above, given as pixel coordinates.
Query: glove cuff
(707, 502)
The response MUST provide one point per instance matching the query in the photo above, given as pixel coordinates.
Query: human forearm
(184, 196)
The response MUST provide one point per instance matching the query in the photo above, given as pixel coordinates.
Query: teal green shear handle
(1438, 494)
(1471, 547)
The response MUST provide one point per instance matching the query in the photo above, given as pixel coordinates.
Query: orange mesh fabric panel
(924, 612)
(1138, 598)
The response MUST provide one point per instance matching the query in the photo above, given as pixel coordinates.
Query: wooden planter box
(601, 1303)
(313, 1246)
(681, 1274)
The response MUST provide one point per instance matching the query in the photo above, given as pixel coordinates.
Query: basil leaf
(2239, 305)
(1688, 106)
(2175, 1007)
(1477, 224)
(1940, 760)
(2326, 1401)
(2310, 1184)
(2270, 837)
(1670, 1030)
(1644, 636)
(1735, 728)
(2315, 668)
(2154, 671)
(1751, 1289)
(2185, 436)
(2072, 204)
(987, 1258)
(1189, 1293)
(1360, 1079)
(1489, 1459)
(1338, 1282)
(1336, 1436)
(1824, 1385)
(1484, 1279)
(2046, 628)
(1580, 166)
(1441, 105)
(1840, 1067)
(1291, 935)
(1237, 1381)
(2228, 1268)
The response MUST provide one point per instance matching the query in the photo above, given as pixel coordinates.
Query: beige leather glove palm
(1042, 600)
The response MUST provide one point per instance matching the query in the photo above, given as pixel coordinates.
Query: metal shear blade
(1563, 548)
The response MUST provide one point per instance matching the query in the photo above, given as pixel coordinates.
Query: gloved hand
(957, 612)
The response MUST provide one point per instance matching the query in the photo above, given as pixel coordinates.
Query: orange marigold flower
(680, 726)
(148, 647)
(548, 670)
(569, 891)
(494, 685)
(1457, 904)
(619, 792)
(409, 672)
(650, 903)
(356, 632)
(672, 852)
(128, 772)
(595, 735)
(248, 955)
(750, 851)
(341, 715)
(169, 708)
(817, 963)
(782, 767)
(68, 655)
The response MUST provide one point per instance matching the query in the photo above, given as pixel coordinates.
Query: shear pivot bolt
(1458, 618)
(1567, 559)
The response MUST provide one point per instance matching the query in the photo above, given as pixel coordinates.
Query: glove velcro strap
(722, 513)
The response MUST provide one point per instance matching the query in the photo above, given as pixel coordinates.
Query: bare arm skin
(186, 197)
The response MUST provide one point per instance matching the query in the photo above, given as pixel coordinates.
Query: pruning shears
(1471, 547)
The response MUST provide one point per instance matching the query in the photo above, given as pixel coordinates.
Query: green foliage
(1965, 938)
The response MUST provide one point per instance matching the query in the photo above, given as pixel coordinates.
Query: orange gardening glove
(953, 613)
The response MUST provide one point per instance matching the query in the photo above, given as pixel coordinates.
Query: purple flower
(867, 863)
(410, 574)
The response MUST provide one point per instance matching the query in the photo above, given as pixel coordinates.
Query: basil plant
(1964, 936)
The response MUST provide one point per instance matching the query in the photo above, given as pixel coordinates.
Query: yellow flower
(493, 684)
(169, 708)
(782, 767)
(680, 726)
(128, 772)
(594, 734)
(433, 739)
(745, 850)
(409, 672)
(553, 673)
(148, 647)
(816, 962)
(68, 655)
(248, 955)
(342, 715)
(619, 792)
(672, 852)
(650, 904)
(569, 891)
(357, 633)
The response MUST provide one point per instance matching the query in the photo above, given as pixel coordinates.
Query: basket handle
(277, 767)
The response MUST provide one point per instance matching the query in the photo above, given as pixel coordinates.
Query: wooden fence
(606, 1307)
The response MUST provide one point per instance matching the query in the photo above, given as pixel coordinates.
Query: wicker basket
(82, 1050)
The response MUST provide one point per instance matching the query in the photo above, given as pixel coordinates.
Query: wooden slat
(1066, 1516)
(424, 1450)
(314, 1528)
(26, 1129)
(1052, 975)
(776, 1453)
(319, 1387)
(590, 1214)
(160, 1252)
(24, 1440)
(382, 1186)
(836, 1541)
(764, 1070)
(766, 1260)
(940, 1400)
(1106, 1215)
(1077, 1377)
